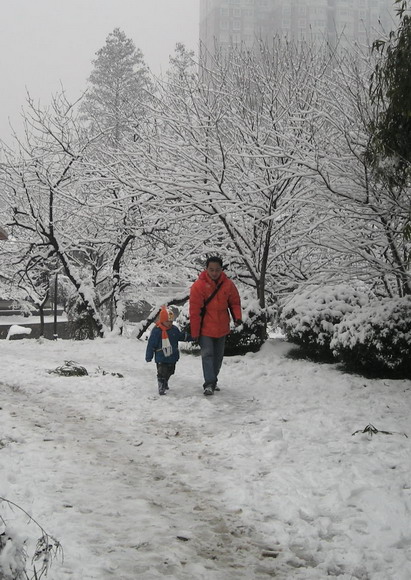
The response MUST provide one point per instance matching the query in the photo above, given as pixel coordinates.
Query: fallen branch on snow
(371, 430)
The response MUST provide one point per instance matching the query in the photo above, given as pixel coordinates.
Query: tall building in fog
(233, 22)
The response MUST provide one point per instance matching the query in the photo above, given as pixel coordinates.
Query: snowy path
(141, 487)
(126, 490)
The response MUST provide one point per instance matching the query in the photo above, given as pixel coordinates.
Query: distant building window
(237, 25)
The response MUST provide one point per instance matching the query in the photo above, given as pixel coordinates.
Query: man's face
(168, 323)
(214, 270)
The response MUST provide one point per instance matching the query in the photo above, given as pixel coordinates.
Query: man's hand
(238, 322)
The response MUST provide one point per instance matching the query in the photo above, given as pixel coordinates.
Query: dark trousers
(165, 370)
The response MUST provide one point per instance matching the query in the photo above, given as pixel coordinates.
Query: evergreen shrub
(309, 317)
(81, 324)
(250, 336)
(376, 338)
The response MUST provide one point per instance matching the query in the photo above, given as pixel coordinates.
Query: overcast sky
(48, 43)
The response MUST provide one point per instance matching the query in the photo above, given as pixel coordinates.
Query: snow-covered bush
(310, 316)
(81, 324)
(21, 556)
(251, 335)
(12, 554)
(182, 320)
(377, 337)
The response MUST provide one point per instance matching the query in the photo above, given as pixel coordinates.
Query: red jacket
(216, 322)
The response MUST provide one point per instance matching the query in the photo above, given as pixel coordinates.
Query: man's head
(214, 266)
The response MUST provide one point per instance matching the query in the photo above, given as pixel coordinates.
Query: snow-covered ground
(263, 480)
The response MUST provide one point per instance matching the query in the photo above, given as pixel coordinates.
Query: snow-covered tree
(119, 89)
(41, 184)
(220, 157)
(390, 92)
(60, 204)
(389, 149)
(363, 217)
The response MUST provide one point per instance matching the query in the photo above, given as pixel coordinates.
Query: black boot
(162, 386)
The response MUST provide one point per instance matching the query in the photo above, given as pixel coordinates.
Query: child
(163, 344)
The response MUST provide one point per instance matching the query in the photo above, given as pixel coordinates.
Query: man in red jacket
(212, 296)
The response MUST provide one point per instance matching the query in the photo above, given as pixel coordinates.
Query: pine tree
(119, 88)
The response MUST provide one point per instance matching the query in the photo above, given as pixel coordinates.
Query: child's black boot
(162, 386)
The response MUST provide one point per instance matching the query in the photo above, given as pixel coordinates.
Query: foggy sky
(46, 44)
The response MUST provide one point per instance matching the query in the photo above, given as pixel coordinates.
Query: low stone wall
(62, 330)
